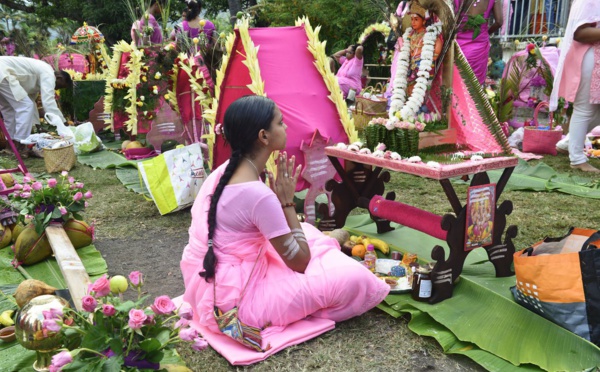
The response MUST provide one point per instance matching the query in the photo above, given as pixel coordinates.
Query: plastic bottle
(370, 257)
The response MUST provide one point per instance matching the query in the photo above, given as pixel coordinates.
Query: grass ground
(131, 235)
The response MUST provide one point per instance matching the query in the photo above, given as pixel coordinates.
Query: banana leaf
(481, 320)
(130, 178)
(104, 159)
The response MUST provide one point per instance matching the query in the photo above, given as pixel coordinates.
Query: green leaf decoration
(479, 98)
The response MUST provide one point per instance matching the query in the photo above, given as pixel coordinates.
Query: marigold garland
(317, 49)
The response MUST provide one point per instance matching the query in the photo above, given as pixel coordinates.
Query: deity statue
(421, 46)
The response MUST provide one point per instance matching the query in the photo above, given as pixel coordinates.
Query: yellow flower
(202, 23)
(397, 114)
(157, 76)
(545, 37)
(195, 40)
(517, 42)
(140, 103)
(155, 89)
(222, 35)
(167, 97)
(144, 79)
(532, 52)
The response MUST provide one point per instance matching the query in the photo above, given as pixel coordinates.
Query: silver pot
(30, 332)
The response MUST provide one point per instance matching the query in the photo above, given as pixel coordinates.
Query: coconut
(8, 179)
(124, 144)
(6, 236)
(30, 247)
(16, 230)
(80, 233)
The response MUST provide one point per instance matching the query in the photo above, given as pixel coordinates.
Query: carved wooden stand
(361, 182)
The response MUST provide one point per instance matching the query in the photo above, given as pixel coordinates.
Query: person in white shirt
(21, 79)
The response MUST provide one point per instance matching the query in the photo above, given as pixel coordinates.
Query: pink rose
(62, 359)
(25, 195)
(88, 195)
(530, 47)
(149, 319)
(136, 318)
(185, 311)
(163, 305)
(18, 186)
(86, 204)
(52, 183)
(51, 325)
(182, 323)
(64, 173)
(79, 185)
(37, 185)
(78, 196)
(26, 179)
(71, 179)
(188, 334)
(62, 210)
(89, 303)
(108, 310)
(52, 314)
(199, 344)
(26, 187)
(100, 287)
(135, 277)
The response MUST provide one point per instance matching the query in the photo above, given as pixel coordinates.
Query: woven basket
(372, 104)
(362, 117)
(60, 159)
(541, 141)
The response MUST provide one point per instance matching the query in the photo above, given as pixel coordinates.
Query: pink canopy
(291, 80)
(71, 61)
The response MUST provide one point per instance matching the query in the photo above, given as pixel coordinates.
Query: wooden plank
(70, 264)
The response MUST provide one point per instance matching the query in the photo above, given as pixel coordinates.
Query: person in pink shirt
(577, 77)
(138, 28)
(350, 73)
(247, 247)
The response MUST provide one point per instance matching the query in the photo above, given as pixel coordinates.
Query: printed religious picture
(481, 204)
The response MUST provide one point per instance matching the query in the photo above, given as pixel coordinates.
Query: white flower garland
(409, 110)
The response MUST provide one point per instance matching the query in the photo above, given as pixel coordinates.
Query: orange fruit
(359, 250)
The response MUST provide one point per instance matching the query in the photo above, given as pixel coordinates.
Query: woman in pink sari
(350, 73)
(245, 234)
(474, 33)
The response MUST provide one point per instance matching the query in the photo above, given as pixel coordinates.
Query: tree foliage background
(342, 21)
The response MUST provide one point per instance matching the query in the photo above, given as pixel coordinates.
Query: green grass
(373, 341)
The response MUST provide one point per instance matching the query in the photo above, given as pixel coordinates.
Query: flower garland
(382, 27)
(317, 49)
(113, 72)
(399, 105)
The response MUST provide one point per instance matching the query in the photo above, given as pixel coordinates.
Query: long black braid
(244, 119)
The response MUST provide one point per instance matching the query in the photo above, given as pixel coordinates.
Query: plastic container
(370, 258)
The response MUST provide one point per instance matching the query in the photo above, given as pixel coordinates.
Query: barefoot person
(21, 80)
(245, 234)
(577, 77)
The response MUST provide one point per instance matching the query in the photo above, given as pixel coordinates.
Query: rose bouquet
(57, 199)
(116, 334)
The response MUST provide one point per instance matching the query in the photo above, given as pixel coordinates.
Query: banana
(355, 238)
(6, 318)
(381, 245)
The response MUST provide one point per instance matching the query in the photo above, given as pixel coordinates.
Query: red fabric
(408, 216)
(123, 70)
(292, 81)
(185, 99)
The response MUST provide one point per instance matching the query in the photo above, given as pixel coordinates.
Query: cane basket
(60, 159)
(373, 104)
(541, 141)
(362, 117)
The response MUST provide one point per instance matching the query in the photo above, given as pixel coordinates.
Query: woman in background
(148, 20)
(474, 33)
(350, 73)
(577, 77)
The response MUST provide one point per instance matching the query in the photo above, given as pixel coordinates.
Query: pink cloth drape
(333, 286)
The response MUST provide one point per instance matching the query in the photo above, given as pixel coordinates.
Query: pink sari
(334, 286)
(476, 50)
